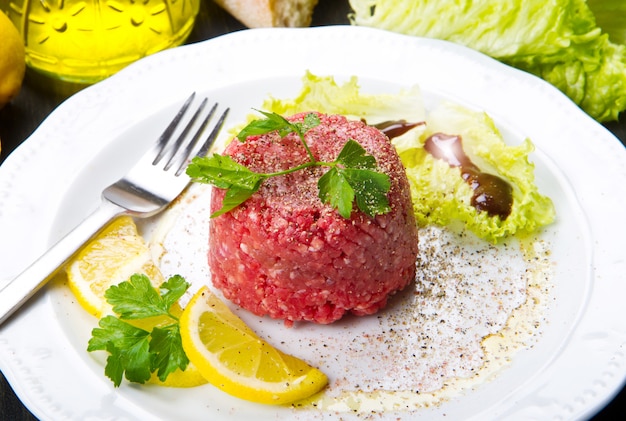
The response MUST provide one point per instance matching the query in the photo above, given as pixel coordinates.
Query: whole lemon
(12, 60)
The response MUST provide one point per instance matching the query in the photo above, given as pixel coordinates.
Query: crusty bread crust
(270, 13)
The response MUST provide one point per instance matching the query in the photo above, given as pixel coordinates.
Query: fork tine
(204, 149)
(169, 130)
(173, 147)
(210, 140)
(191, 144)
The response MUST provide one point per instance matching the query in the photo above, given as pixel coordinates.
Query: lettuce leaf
(322, 93)
(441, 197)
(558, 40)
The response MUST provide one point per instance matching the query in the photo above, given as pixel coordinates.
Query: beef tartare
(285, 254)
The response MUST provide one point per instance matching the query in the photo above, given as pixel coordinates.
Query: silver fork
(147, 189)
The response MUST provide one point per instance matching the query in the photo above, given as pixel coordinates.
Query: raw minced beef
(285, 254)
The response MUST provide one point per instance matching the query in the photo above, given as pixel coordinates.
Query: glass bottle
(85, 41)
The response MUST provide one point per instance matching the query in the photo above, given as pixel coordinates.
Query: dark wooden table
(21, 117)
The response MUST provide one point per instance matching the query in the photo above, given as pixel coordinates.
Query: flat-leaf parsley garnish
(352, 177)
(135, 353)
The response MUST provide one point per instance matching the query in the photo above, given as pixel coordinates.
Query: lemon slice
(233, 358)
(112, 257)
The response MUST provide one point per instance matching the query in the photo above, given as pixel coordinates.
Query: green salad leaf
(441, 196)
(322, 93)
(558, 40)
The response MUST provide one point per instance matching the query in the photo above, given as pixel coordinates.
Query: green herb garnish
(351, 177)
(134, 352)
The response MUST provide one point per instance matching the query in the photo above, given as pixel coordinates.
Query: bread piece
(270, 13)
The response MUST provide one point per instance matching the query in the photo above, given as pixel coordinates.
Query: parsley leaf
(135, 298)
(352, 177)
(335, 190)
(354, 156)
(370, 190)
(233, 198)
(272, 122)
(167, 346)
(223, 172)
(310, 120)
(276, 122)
(128, 348)
(134, 352)
(173, 289)
(339, 187)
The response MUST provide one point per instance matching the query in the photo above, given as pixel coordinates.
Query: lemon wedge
(233, 358)
(113, 256)
(110, 258)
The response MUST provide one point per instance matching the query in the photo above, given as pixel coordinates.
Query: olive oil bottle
(85, 41)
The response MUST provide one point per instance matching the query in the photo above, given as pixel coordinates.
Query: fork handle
(19, 290)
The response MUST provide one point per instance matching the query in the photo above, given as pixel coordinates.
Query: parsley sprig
(352, 176)
(134, 352)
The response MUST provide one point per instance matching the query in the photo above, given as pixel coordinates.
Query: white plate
(52, 180)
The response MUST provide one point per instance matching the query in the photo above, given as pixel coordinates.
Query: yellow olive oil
(87, 40)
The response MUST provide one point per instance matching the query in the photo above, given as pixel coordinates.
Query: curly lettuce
(442, 197)
(558, 40)
(322, 93)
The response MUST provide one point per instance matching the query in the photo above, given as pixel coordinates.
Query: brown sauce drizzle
(492, 194)
(395, 128)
